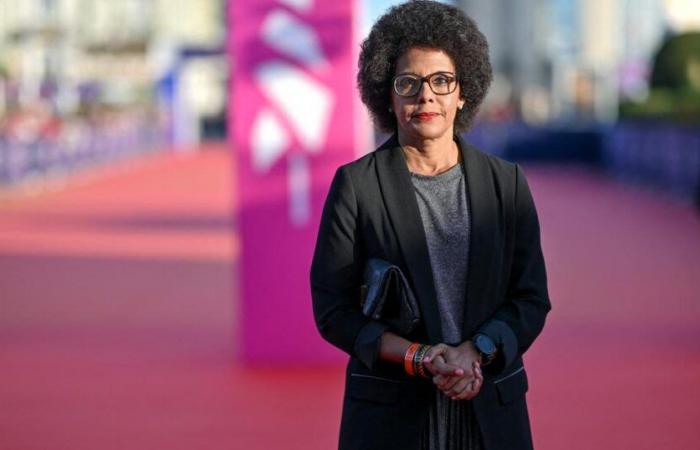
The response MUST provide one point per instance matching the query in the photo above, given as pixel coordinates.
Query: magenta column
(291, 113)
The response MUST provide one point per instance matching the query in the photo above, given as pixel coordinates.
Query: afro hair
(423, 24)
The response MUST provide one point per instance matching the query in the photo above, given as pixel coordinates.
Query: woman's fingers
(468, 392)
(437, 366)
(457, 387)
(447, 384)
(434, 351)
(453, 385)
(476, 386)
(477, 370)
(454, 381)
(473, 388)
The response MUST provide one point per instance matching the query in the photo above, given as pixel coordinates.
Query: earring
(390, 110)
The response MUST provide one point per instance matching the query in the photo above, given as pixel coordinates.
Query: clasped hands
(456, 370)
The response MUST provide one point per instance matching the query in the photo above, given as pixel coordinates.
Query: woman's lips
(424, 117)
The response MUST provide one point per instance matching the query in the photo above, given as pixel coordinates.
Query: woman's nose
(425, 94)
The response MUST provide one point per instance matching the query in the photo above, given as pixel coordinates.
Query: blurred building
(76, 54)
(572, 60)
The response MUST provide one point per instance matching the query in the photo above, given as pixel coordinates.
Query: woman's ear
(461, 103)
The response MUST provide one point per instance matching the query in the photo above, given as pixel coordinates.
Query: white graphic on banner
(298, 185)
(269, 140)
(293, 38)
(304, 102)
(299, 5)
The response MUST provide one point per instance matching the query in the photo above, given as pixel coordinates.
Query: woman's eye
(441, 80)
(406, 82)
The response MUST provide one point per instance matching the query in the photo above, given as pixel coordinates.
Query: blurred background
(141, 76)
(120, 253)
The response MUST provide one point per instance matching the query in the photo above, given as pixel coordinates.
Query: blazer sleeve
(520, 319)
(336, 276)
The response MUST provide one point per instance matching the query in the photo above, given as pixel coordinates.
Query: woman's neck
(430, 156)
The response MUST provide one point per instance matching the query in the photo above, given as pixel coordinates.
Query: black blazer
(371, 211)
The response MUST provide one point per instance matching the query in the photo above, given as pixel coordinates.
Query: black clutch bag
(388, 297)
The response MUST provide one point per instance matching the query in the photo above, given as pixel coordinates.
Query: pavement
(118, 319)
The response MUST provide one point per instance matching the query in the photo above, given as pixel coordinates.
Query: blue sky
(372, 9)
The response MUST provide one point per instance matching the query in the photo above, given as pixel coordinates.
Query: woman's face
(426, 115)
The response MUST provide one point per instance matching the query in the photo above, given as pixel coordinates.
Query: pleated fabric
(451, 425)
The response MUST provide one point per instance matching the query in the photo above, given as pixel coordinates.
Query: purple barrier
(663, 156)
(74, 149)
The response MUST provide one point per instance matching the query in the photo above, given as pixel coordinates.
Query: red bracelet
(408, 358)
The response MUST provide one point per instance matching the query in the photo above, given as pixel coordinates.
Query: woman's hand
(439, 367)
(451, 367)
(458, 386)
(462, 356)
(464, 389)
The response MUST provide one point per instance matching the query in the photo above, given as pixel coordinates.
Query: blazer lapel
(484, 223)
(400, 201)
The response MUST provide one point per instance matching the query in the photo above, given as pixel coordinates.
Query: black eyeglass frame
(425, 79)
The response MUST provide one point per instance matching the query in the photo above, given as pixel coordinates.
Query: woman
(462, 227)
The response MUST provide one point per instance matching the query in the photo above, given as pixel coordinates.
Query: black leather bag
(388, 297)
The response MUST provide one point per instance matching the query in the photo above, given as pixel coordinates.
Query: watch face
(484, 345)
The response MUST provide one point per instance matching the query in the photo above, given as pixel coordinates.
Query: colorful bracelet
(408, 363)
(418, 366)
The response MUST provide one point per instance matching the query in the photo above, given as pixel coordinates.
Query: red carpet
(117, 320)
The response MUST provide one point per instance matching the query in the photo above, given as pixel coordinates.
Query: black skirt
(451, 425)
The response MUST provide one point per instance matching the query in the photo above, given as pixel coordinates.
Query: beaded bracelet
(418, 366)
(408, 363)
(413, 360)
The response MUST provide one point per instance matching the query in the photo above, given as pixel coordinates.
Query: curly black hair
(423, 24)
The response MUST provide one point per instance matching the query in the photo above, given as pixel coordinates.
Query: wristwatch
(486, 348)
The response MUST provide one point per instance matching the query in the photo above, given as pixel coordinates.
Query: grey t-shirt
(444, 210)
(442, 200)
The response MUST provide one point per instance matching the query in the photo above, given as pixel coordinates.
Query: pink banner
(291, 114)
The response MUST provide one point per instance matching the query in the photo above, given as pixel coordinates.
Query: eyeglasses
(441, 83)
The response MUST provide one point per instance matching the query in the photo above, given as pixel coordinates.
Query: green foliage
(677, 64)
(675, 105)
(675, 83)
